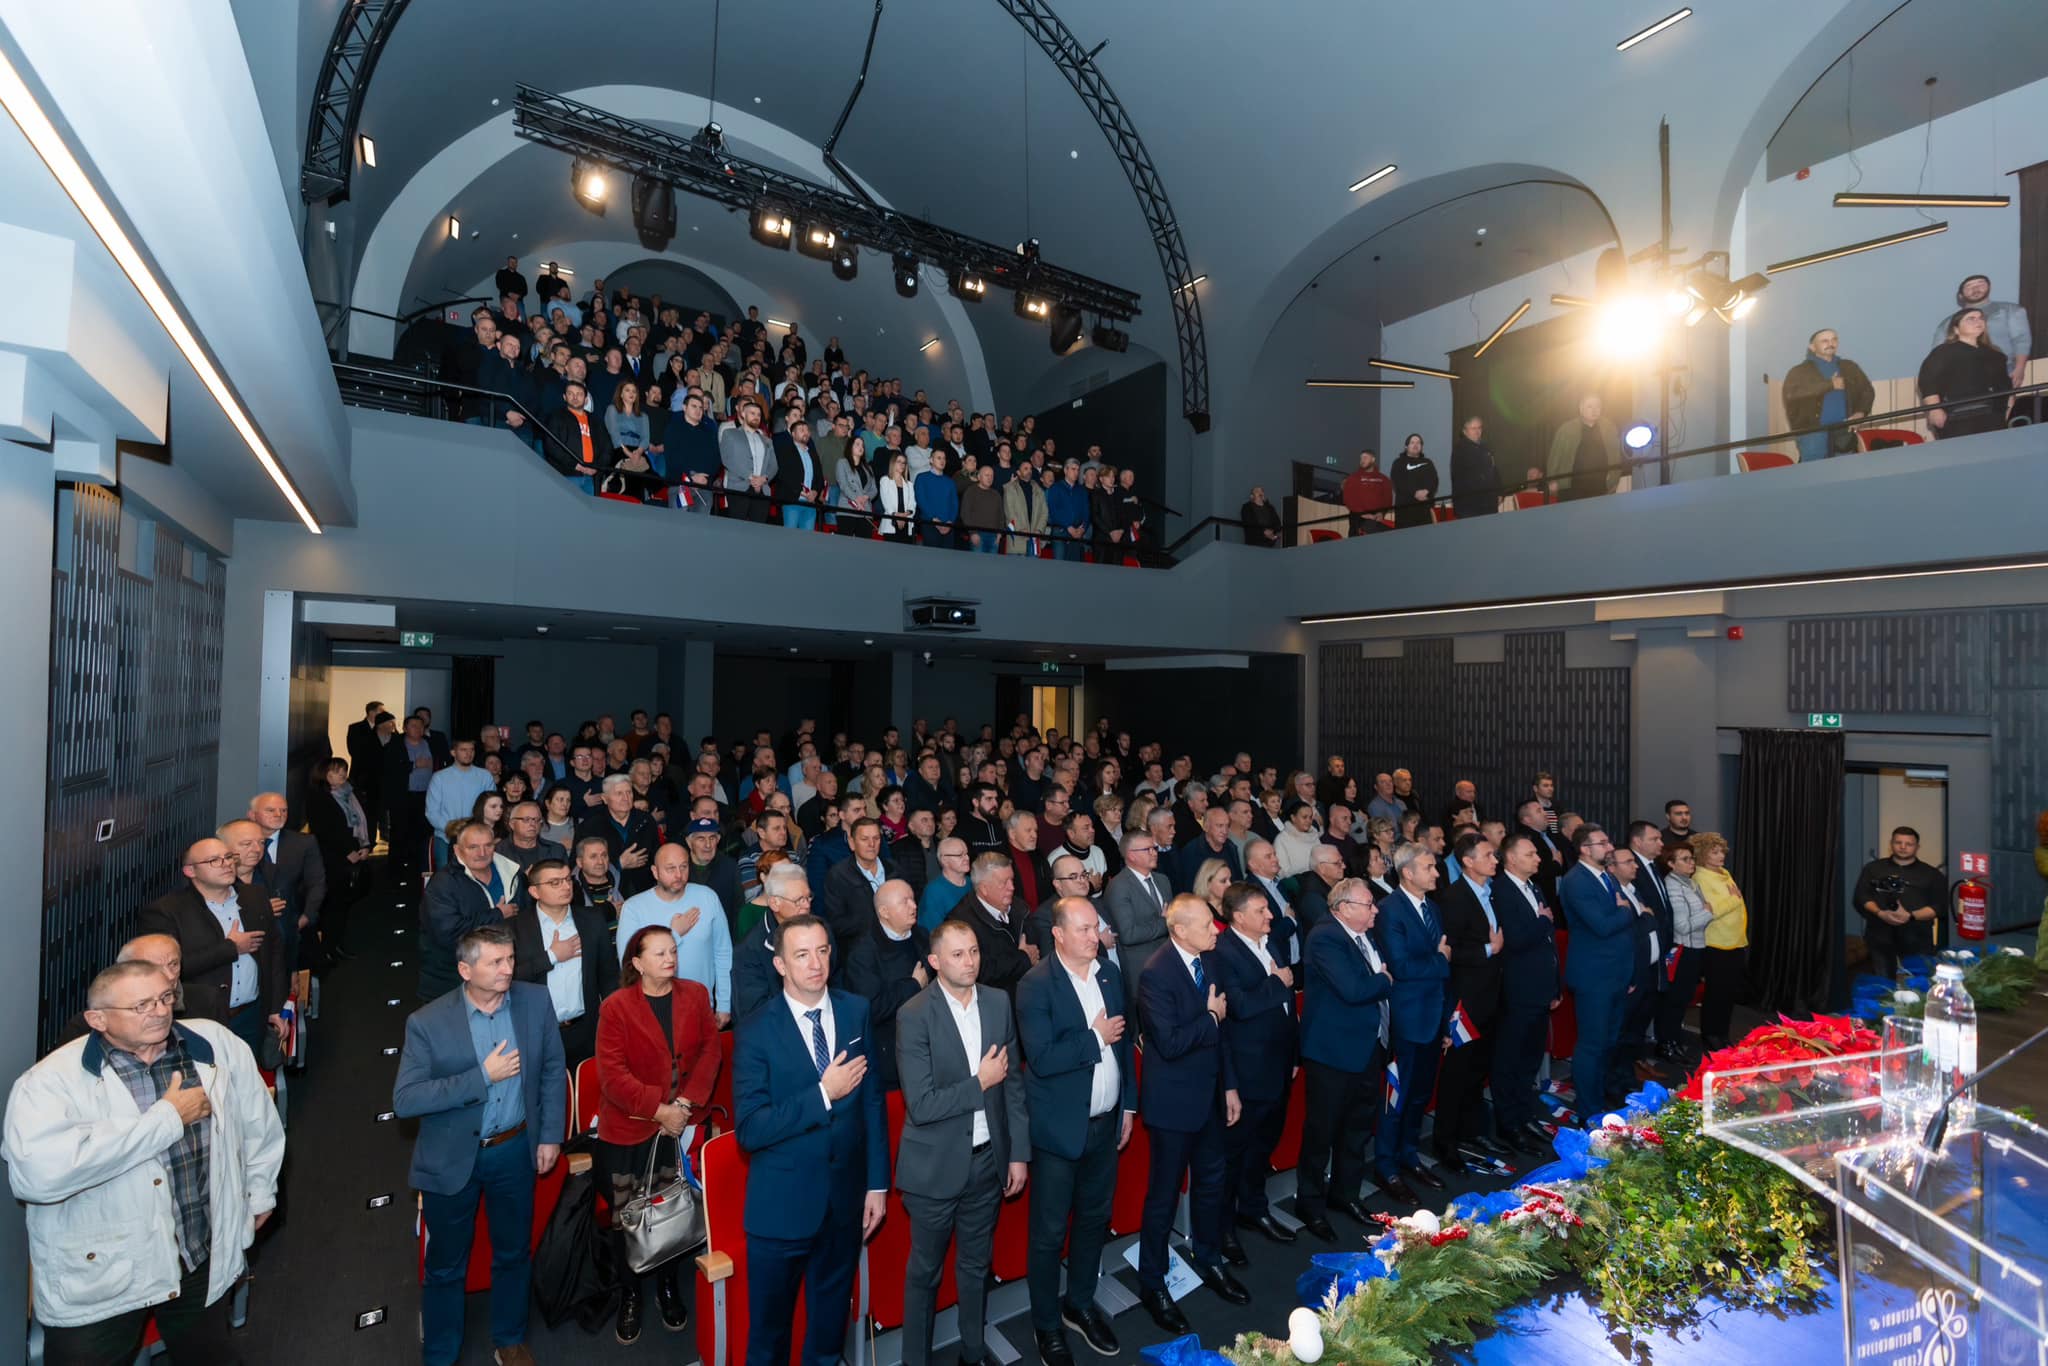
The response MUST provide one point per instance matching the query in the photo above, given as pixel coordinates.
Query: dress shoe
(1226, 1286)
(1053, 1349)
(1425, 1176)
(1646, 1070)
(1164, 1311)
(1528, 1141)
(1492, 1147)
(632, 1305)
(1093, 1326)
(1401, 1193)
(1233, 1251)
(1268, 1225)
(515, 1355)
(1356, 1210)
(1474, 1158)
(1319, 1226)
(668, 1297)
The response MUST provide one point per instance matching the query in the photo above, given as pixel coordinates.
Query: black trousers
(1341, 1110)
(1676, 994)
(1889, 943)
(1248, 1155)
(195, 1333)
(1460, 1104)
(1641, 1010)
(1070, 1205)
(579, 1041)
(1521, 1036)
(1725, 970)
(968, 1221)
(410, 835)
(747, 505)
(621, 1168)
(1199, 1157)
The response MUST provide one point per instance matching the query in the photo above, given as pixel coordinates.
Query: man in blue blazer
(1081, 1091)
(1600, 969)
(812, 1123)
(1188, 1096)
(482, 1072)
(1529, 991)
(1412, 938)
(1262, 1039)
(1346, 1015)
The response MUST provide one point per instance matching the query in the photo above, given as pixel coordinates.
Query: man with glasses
(159, 1174)
(233, 962)
(1345, 1030)
(524, 846)
(1134, 903)
(944, 891)
(1069, 878)
(560, 945)
(1600, 970)
(786, 891)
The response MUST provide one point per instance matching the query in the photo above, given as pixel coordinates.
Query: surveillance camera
(927, 658)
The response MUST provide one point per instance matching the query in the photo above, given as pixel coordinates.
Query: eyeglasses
(155, 1004)
(217, 860)
(562, 881)
(1069, 877)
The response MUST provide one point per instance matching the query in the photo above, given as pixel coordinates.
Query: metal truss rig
(715, 173)
(1058, 43)
(360, 32)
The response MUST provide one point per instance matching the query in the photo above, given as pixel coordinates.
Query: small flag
(289, 1013)
(1463, 1031)
(1393, 1097)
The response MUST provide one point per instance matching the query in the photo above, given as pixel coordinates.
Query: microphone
(1937, 1127)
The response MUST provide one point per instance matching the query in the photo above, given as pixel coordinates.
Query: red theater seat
(721, 1319)
(1752, 461)
(889, 1249)
(546, 1192)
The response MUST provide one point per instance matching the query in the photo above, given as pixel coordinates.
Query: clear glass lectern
(1944, 1255)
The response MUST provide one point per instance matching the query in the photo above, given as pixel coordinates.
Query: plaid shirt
(188, 1158)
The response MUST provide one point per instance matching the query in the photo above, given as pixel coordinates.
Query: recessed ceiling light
(929, 344)
(1653, 30)
(1074, 154)
(1381, 174)
(794, 649)
(757, 99)
(494, 104)
(625, 628)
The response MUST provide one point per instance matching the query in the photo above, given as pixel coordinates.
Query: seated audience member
(1585, 454)
(1298, 840)
(1826, 390)
(1261, 520)
(561, 946)
(1961, 374)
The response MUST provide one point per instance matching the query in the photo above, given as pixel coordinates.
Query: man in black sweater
(887, 966)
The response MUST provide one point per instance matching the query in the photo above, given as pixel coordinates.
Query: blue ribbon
(1182, 1351)
(1346, 1271)
(1484, 1209)
(1650, 1100)
(1575, 1158)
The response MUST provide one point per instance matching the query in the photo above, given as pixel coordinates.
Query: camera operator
(1901, 900)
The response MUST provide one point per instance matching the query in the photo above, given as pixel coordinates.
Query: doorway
(1052, 708)
(1877, 798)
(350, 689)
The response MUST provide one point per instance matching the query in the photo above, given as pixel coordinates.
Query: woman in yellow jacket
(1727, 948)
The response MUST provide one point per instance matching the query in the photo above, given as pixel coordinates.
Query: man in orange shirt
(1368, 493)
(581, 436)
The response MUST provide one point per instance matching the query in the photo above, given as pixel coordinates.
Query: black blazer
(755, 982)
(1187, 1068)
(1060, 1053)
(848, 904)
(1259, 1029)
(1528, 978)
(1003, 963)
(209, 958)
(365, 760)
(1475, 976)
(789, 470)
(531, 962)
(565, 455)
(299, 875)
(1557, 857)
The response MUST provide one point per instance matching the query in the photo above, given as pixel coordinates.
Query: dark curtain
(1786, 860)
(2033, 285)
(472, 694)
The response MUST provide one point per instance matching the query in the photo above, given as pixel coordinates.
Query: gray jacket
(1689, 913)
(1139, 922)
(735, 454)
(935, 1155)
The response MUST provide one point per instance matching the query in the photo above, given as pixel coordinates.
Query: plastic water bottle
(1950, 1039)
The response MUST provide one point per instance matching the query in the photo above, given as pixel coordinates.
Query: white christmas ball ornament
(1305, 1336)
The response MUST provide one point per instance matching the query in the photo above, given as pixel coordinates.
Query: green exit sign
(1823, 720)
(1047, 666)
(418, 639)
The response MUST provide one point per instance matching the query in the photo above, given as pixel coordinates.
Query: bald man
(160, 951)
(231, 959)
(293, 869)
(888, 962)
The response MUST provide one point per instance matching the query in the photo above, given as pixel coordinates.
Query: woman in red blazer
(657, 1057)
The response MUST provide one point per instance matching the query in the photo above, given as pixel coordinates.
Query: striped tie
(819, 1053)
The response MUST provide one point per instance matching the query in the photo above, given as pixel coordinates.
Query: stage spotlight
(819, 240)
(1627, 328)
(1639, 436)
(711, 135)
(772, 227)
(1032, 307)
(1028, 249)
(654, 212)
(965, 285)
(1110, 338)
(904, 267)
(1066, 329)
(1678, 301)
(592, 189)
(846, 262)
(1715, 291)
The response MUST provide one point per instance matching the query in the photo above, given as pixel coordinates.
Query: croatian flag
(1463, 1031)
(1393, 1097)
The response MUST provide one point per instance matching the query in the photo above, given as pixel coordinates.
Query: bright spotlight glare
(1639, 436)
(1743, 308)
(1627, 328)
(1678, 302)
(594, 186)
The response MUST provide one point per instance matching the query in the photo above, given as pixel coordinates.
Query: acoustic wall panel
(135, 664)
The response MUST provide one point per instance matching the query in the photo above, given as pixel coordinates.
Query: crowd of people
(636, 399)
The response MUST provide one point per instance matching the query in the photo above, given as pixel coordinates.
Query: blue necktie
(1612, 887)
(819, 1053)
(1201, 980)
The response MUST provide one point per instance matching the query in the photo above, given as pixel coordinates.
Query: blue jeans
(503, 1180)
(1070, 548)
(799, 518)
(990, 541)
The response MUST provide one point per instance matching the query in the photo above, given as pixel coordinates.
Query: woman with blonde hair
(1212, 880)
(1727, 936)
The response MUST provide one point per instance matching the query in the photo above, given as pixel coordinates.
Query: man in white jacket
(147, 1153)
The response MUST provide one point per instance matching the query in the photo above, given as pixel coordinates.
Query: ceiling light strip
(1381, 174)
(1569, 301)
(1653, 30)
(1836, 253)
(929, 344)
(1359, 383)
(1887, 576)
(1860, 199)
(1501, 331)
(20, 104)
(1382, 363)
(1182, 289)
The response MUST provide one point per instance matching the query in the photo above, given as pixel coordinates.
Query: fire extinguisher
(1969, 902)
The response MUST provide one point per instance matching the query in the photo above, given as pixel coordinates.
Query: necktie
(1608, 880)
(819, 1053)
(1372, 961)
(1201, 979)
(1153, 888)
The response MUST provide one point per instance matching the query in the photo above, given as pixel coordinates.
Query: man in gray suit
(1135, 903)
(749, 459)
(966, 1139)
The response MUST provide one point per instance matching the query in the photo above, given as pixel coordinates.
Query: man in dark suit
(628, 832)
(848, 903)
(786, 892)
(482, 1071)
(1477, 946)
(966, 1141)
(1188, 1096)
(366, 764)
(1529, 992)
(813, 1125)
(1600, 970)
(233, 960)
(1211, 840)
(1412, 936)
(1646, 840)
(468, 894)
(1262, 1041)
(992, 910)
(293, 869)
(1344, 1034)
(406, 767)
(1532, 820)
(1314, 888)
(886, 966)
(1082, 1093)
(800, 478)
(549, 938)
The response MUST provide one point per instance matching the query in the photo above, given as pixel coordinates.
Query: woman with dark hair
(1415, 482)
(892, 809)
(558, 816)
(1959, 374)
(342, 831)
(490, 809)
(657, 1059)
(515, 789)
(853, 491)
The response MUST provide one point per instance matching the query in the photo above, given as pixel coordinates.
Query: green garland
(1996, 981)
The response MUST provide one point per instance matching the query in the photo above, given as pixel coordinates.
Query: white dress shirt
(1265, 957)
(1628, 889)
(1105, 1086)
(565, 979)
(244, 982)
(967, 1019)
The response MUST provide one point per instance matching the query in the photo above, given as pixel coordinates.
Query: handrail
(429, 386)
(402, 318)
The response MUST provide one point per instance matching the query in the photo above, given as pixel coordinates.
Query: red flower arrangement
(1824, 1036)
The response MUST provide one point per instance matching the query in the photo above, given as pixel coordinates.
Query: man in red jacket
(1368, 493)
